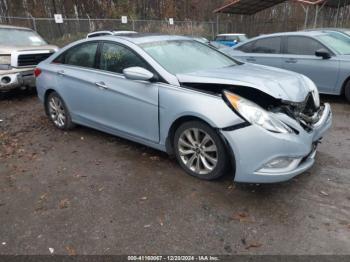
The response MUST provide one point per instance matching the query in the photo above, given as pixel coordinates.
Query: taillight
(37, 72)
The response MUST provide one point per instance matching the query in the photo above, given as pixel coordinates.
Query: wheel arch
(186, 118)
(171, 133)
(346, 81)
(46, 95)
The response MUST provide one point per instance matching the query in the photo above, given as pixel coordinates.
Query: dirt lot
(87, 192)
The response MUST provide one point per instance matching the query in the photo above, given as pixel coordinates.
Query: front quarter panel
(176, 102)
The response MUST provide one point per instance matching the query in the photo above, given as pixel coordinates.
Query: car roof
(230, 34)
(327, 29)
(147, 38)
(108, 32)
(14, 27)
(299, 33)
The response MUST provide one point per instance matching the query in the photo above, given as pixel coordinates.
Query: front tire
(200, 151)
(347, 91)
(58, 112)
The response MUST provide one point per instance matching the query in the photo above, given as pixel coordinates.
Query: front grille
(32, 59)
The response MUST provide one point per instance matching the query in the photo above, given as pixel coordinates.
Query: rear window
(243, 38)
(270, 45)
(220, 38)
(82, 55)
(247, 48)
(232, 38)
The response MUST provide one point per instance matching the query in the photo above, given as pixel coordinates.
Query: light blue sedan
(177, 95)
(322, 56)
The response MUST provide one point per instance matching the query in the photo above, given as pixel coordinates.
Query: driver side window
(115, 58)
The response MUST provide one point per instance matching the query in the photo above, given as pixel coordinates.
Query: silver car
(322, 56)
(172, 93)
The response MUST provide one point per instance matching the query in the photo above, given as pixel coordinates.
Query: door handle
(61, 72)
(101, 85)
(292, 61)
(251, 59)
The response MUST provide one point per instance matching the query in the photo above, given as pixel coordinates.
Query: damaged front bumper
(262, 156)
(14, 79)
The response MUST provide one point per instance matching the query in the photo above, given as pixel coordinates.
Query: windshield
(19, 37)
(337, 41)
(186, 56)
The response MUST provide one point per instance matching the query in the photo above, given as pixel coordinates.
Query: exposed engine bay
(307, 113)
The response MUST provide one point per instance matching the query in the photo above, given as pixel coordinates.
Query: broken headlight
(254, 114)
(314, 91)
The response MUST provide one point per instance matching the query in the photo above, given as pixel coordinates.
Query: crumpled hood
(278, 83)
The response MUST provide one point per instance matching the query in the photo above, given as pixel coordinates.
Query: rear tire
(57, 112)
(200, 150)
(347, 91)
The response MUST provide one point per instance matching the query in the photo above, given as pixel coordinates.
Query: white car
(102, 33)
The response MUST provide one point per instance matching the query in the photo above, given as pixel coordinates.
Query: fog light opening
(280, 165)
(6, 80)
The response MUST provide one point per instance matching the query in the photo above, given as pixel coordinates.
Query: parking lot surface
(86, 192)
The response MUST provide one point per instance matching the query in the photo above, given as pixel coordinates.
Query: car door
(76, 76)
(299, 56)
(264, 51)
(124, 105)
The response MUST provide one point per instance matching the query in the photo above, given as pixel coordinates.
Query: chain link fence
(76, 28)
(73, 28)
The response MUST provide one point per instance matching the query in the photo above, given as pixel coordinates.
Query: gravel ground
(86, 192)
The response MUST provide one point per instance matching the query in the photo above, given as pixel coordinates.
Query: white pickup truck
(21, 49)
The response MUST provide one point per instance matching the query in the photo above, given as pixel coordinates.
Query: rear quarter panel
(46, 80)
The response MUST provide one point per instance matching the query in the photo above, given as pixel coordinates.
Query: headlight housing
(254, 114)
(5, 59)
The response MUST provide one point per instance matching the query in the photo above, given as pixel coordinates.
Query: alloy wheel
(198, 151)
(57, 112)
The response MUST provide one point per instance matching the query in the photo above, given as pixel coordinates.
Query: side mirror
(138, 73)
(323, 53)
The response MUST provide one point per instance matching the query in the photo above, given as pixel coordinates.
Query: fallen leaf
(253, 245)
(160, 221)
(324, 193)
(71, 251)
(64, 203)
(43, 196)
(242, 217)
(231, 186)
